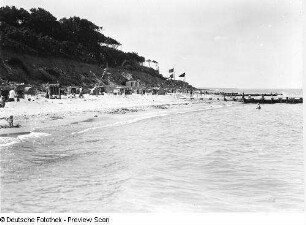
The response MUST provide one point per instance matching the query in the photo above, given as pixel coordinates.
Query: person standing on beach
(81, 92)
(10, 121)
(2, 101)
(191, 93)
(12, 95)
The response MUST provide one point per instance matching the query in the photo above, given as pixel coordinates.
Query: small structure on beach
(73, 90)
(4, 91)
(119, 90)
(115, 89)
(18, 88)
(132, 84)
(53, 91)
(97, 90)
(158, 91)
(29, 91)
(161, 91)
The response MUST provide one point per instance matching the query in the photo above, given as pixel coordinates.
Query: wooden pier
(252, 95)
(254, 98)
(272, 100)
(264, 100)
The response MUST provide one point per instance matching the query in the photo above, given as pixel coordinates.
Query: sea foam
(121, 123)
(8, 141)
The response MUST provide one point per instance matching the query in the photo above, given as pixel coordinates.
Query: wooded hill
(38, 32)
(37, 47)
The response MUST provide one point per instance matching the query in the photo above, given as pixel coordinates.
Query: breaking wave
(121, 123)
(12, 139)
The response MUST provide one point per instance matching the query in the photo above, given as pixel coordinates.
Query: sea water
(193, 158)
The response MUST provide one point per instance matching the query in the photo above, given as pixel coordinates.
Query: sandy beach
(37, 111)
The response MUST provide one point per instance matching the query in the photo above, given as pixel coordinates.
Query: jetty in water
(286, 100)
(264, 100)
(255, 98)
(252, 95)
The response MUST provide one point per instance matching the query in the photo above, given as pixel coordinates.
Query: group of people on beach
(11, 98)
(81, 92)
(10, 122)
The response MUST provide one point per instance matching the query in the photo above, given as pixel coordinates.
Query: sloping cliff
(17, 67)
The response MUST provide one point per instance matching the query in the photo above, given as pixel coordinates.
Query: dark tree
(39, 32)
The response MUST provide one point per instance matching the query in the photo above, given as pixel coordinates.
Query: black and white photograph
(151, 107)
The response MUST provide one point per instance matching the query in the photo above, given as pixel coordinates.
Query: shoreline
(41, 112)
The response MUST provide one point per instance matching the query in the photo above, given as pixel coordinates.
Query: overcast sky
(218, 43)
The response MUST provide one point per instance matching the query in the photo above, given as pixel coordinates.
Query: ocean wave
(7, 141)
(121, 123)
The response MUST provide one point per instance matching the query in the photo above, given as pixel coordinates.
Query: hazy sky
(218, 43)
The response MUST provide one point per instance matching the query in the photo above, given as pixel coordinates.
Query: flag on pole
(182, 75)
(171, 70)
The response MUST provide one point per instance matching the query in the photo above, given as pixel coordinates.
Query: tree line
(38, 32)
